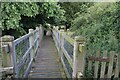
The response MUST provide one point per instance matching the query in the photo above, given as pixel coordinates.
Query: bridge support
(78, 57)
(8, 59)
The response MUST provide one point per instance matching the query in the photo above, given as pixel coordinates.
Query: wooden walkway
(47, 63)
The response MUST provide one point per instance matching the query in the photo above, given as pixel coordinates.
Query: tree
(18, 17)
(73, 9)
(99, 24)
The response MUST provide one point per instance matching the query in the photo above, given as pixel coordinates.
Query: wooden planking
(116, 69)
(110, 68)
(47, 63)
(96, 65)
(89, 61)
(69, 39)
(68, 57)
(103, 65)
(66, 70)
(46, 75)
(112, 72)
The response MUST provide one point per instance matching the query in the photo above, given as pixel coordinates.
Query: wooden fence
(104, 66)
(73, 56)
(18, 54)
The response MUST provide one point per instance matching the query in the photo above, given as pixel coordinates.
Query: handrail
(70, 56)
(22, 51)
(75, 66)
(17, 41)
(69, 39)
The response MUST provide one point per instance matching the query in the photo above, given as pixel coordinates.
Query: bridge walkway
(47, 64)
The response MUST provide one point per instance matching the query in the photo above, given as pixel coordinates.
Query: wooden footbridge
(47, 64)
(58, 56)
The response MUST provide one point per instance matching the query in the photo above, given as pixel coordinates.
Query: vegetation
(99, 23)
(18, 17)
(73, 9)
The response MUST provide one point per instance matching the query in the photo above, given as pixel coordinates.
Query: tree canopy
(23, 15)
(98, 22)
(100, 25)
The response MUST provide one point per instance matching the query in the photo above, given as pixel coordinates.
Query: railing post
(0, 53)
(119, 62)
(38, 41)
(78, 57)
(31, 40)
(41, 32)
(8, 53)
(60, 44)
(37, 28)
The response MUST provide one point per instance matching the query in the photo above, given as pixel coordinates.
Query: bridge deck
(47, 63)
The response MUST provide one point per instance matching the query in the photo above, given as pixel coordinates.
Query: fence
(73, 56)
(103, 66)
(18, 54)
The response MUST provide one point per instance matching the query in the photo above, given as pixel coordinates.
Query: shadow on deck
(47, 64)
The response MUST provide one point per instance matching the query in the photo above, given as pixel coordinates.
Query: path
(47, 63)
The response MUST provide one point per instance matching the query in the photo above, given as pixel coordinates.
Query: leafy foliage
(11, 15)
(24, 15)
(52, 12)
(100, 26)
(73, 9)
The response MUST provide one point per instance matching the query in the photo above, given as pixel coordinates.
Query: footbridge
(54, 56)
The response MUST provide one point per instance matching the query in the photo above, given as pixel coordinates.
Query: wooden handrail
(28, 42)
(77, 62)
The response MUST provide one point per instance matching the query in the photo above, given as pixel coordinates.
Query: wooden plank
(31, 40)
(89, 61)
(100, 59)
(36, 73)
(96, 65)
(102, 74)
(46, 75)
(17, 41)
(110, 68)
(89, 65)
(68, 57)
(44, 70)
(69, 39)
(81, 60)
(119, 61)
(66, 70)
(28, 69)
(47, 64)
(117, 69)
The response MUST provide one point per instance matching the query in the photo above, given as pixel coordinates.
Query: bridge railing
(69, 49)
(18, 54)
(76, 59)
